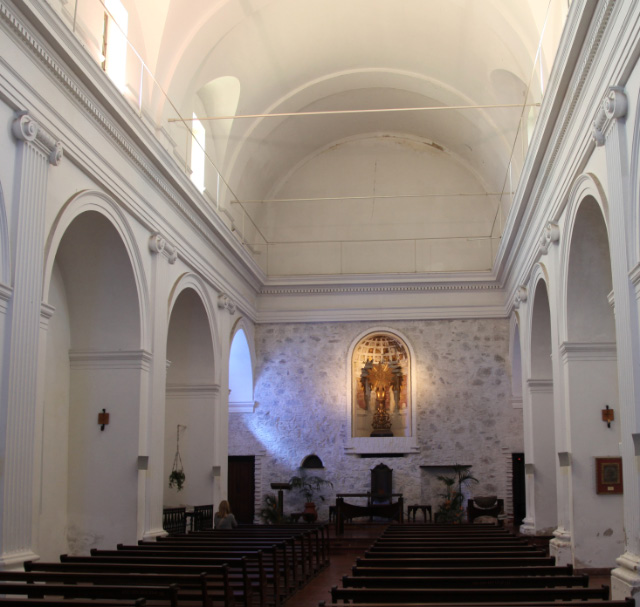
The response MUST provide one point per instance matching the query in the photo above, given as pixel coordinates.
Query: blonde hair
(224, 509)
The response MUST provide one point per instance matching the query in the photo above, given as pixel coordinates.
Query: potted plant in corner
(450, 510)
(309, 487)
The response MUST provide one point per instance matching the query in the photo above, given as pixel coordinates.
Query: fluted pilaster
(35, 151)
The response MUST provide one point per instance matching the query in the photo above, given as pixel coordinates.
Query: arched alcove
(240, 374)
(93, 362)
(591, 378)
(540, 449)
(190, 400)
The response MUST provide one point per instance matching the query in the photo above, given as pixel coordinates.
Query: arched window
(240, 375)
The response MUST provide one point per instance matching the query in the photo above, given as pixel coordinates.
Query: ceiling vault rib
(432, 108)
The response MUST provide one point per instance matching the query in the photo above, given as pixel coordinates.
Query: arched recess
(241, 364)
(380, 346)
(540, 447)
(591, 381)
(94, 362)
(191, 394)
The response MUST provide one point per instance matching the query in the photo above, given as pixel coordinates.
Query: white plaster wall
(464, 414)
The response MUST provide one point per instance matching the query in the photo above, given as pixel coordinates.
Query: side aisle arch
(192, 393)
(96, 361)
(590, 372)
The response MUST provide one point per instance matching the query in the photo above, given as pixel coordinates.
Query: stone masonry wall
(464, 413)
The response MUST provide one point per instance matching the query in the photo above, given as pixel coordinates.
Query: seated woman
(224, 519)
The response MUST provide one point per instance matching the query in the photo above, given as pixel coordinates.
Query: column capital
(612, 107)
(159, 244)
(25, 128)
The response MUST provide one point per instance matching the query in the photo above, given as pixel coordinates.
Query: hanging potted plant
(177, 476)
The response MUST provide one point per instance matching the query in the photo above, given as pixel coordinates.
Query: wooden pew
(417, 548)
(443, 555)
(463, 581)
(280, 575)
(465, 595)
(202, 588)
(161, 595)
(546, 570)
(242, 590)
(238, 565)
(433, 561)
(628, 602)
(26, 602)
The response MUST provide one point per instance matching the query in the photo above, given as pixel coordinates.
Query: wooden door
(518, 487)
(241, 487)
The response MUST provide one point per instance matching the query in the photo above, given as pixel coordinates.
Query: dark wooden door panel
(241, 487)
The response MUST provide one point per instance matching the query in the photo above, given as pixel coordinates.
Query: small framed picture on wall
(609, 475)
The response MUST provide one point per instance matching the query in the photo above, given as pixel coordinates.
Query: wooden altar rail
(393, 511)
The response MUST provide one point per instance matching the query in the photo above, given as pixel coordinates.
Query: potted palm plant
(309, 486)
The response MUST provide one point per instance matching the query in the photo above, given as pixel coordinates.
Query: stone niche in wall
(381, 347)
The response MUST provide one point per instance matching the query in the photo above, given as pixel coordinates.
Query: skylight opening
(114, 50)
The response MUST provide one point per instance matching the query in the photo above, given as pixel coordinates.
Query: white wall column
(610, 131)
(36, 150)
(541, 516)
(152, 477)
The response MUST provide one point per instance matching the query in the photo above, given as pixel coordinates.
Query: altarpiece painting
(381, 388)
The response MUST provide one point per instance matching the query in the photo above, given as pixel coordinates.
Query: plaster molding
(158, 244)
(370, 288)
(586, 351)
(516, 402)
(110, 359)
(192, 390)
(25, 128)
(550, 235)
(613, 107)
(46, 313)
(226, 303)
(427, 312)
(14, 560)
(521, 296)
(242, 407)
(540, 386)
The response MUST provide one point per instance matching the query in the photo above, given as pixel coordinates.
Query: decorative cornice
(613, 106)
(158, 244)
(225, 303)
(25, 128)
(192, 390)
(116, 359)
(580, 351)
(550, 235)
(367, 289)
(542, 386)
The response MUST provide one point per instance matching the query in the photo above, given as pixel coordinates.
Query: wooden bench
(628, 602)
(242, 590)
(465, 595)
(366, 571)
(203, 588)
(161, 595)
(432, 561)
(462, 581)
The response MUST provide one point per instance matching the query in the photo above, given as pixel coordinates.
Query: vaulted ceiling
(329, 186)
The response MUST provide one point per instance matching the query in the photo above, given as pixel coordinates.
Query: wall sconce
(103, 419)
(607, 416)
